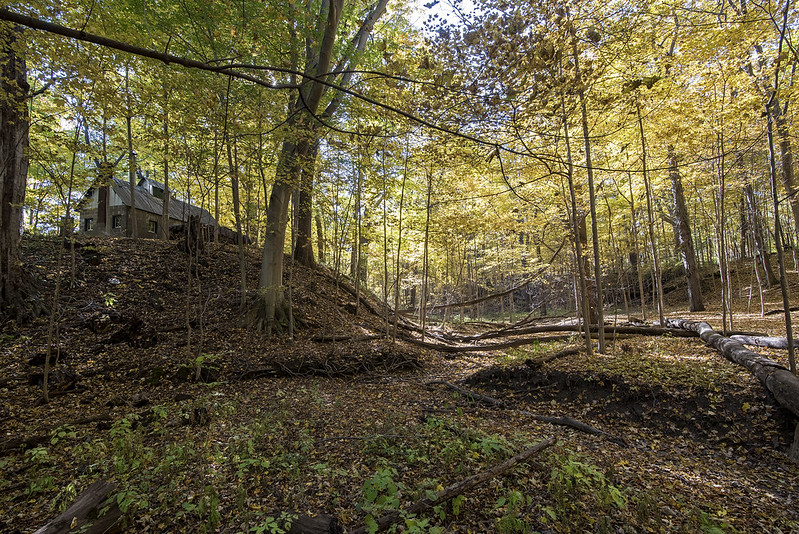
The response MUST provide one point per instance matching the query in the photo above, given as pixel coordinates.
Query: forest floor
(205, 426)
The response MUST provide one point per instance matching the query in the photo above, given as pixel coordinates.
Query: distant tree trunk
(425, 255)
(761, 252)
(778, 240)
(216, 186)
(636, 249)
(15, 288)
(320, 237)
(581, 300)
(133, 228)
(651, 224)
(685, 242)
(165, 212)
(598, 309)
(398, 273)
(234, 181)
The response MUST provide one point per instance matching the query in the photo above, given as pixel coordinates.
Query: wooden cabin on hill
(106, 209)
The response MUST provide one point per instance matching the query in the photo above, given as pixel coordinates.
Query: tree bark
(596, 317)
(15, 287)
(761, 252)
(651, 225)
(296, 147)
(82, 515)
(685, 242)
(303, 249)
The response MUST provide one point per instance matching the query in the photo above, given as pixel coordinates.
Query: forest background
(449, 159)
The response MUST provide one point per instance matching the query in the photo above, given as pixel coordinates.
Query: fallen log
(540, 329)
(320, 524)
(561, 421)
(781, 310)
(456, 489)
(565, 420)
(765, 341)
(85, 513)
(442, 347)
(485, 399)
(778, 380)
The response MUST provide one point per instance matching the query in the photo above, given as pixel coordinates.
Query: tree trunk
(296, 145)
(86, 513)
(778, 241)
(15, 288)
(132, 226)
(651, 225)
(165, 210)
(685, 242)
(303, 251)
(582, 301)
(786, 157)
(597, 316)
(270, 308)
(761, 252)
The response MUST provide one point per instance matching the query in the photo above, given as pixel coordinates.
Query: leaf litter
(243, 429)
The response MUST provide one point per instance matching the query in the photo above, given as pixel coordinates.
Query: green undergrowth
(178, 471)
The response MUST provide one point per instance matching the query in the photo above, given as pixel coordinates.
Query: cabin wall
(117, 221)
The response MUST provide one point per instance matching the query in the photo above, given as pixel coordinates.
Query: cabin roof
(178, 209)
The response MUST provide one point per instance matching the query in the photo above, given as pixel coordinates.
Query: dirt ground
(205, 426)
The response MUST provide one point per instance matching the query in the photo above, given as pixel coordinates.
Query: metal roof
(146, 202)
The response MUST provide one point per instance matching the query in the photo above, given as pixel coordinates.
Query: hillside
(202, 425)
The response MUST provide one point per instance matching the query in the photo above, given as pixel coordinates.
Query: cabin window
(116, 221)
(158, 192)
(88, 225)
(152, 226)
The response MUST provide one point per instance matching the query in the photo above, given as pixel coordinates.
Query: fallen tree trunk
(540, 329)
(321, 524)
(442, 347)
(458, 488)
(781, 310)
(84, 514)
(778, 380)
(765, 341)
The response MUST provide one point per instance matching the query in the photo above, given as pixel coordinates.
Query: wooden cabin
(106, 209)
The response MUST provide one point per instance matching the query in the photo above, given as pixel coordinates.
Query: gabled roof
(146, 202)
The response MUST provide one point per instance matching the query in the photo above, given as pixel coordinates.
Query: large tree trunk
(271, 306)
(786, 158)
(303, 248)
(14, 286)
(685, 242)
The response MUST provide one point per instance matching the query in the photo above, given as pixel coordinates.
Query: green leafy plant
(511, 522)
